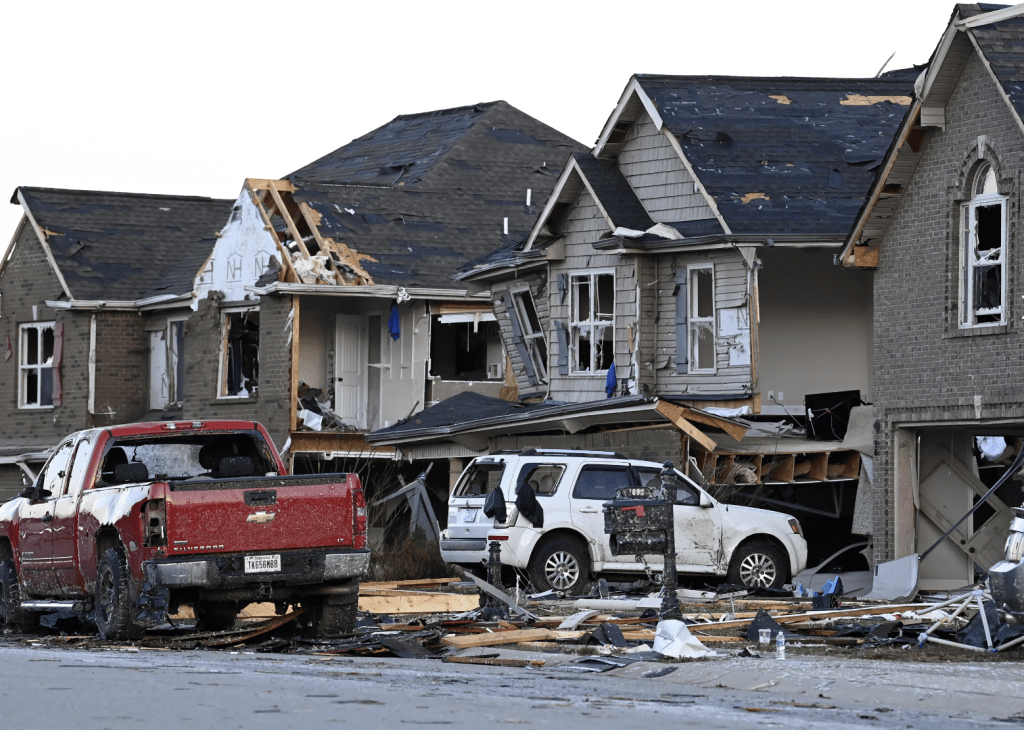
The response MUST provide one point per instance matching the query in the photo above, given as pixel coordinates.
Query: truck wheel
(114, 602)
(563, 564)
(332, 620)
(11, 612)
(758, 564)
(216, 616)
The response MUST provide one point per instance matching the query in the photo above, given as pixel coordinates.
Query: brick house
(94, 293)
(942, 230)
(327, 308)
(688, 260)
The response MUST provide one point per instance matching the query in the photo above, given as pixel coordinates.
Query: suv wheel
(758, 564)
(563, 564)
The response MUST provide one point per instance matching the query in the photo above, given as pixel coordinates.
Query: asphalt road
(125, 688)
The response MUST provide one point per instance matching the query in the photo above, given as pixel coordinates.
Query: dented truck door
(65, 520)
(35, 528)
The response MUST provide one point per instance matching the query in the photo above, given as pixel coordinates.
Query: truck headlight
(794, 525)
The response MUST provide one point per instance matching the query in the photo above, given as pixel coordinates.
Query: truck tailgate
(258, 514)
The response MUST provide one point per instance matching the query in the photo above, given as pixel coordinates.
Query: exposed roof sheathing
(126, 246)
(422, 195)
(783, 155)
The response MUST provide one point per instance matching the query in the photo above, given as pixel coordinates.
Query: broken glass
(242, 348)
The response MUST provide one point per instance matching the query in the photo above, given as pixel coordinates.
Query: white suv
(754, 547)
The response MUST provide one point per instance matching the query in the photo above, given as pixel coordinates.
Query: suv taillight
(358, 519)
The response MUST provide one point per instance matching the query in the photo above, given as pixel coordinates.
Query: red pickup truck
(134, 521)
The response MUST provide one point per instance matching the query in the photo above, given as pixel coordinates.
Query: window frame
(225, 353)
(24, 368)
(535, 341)
(967, 315)
(576, 325)
(694, 322)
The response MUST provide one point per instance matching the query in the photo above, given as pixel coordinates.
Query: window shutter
(517, 338)
(682, 348)
(563, 347)
(58, 354)
(563, 287)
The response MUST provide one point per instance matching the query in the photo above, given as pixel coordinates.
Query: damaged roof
(422, 195)
(125, 246)
(614, 192)
(783, 155)
(1002, 43)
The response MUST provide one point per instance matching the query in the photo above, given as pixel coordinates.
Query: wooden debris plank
(420, 583)
(502, 637)
(419, 603)
(495, 662)
(815, 615)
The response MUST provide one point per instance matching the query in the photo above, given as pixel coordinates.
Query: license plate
(469, 515)
(262, 563)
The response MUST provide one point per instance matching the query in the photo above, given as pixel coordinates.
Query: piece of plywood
(419, 603)
(501, 637)
(674, 413)
(419, 583)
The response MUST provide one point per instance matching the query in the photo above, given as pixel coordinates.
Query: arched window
(983, 253)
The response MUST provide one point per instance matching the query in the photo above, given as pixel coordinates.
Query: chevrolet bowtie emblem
(261, 517)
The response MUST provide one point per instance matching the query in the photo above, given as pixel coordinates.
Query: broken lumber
(420, 583)
(491, 662)
(502, 637)
(419, 603)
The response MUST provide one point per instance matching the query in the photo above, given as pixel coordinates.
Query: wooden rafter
(286, 259)
(282, 210)
(676, 414)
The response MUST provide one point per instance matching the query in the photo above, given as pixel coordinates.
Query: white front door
(158, 382)
(350, 369)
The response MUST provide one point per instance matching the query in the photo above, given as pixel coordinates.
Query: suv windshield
(480, 479)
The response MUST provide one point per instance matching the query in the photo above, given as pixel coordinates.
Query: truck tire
(329, 618)
(217, 616)
(114, 600)
(758, 564)
(561, 564)
(15, 618)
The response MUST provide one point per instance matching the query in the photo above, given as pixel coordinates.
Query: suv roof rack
(572, 452)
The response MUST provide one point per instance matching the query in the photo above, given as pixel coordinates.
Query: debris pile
(444, 619)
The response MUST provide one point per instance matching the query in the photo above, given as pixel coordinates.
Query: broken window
(36, 353)
(592, 322)
(462, 348)
(241, 341)
(983, 253)
(702, 318)
(167, 364)
(533, 332)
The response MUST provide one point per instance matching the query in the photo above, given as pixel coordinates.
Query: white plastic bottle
(780, 646)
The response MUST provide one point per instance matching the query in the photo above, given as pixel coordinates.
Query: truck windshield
(480, 479)
(185, 456)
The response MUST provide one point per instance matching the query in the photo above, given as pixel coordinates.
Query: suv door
(596, 483)
(35, 532)
(698, 529)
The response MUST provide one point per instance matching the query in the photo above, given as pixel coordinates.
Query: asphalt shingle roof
(783, 155)
(455, 175)
(1003, 46)
(126, 246)
(614, 193)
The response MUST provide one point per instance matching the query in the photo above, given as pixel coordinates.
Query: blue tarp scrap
(611, 382)
(394, 323)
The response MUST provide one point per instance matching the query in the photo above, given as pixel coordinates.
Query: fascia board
(938, 58)
(382, 291)
(876, 190)
(552, 200)
(633, 87)
(993, 16)
(46, 247)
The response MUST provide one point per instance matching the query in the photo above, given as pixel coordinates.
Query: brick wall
(202, 367)
(926, 370)
(122, 365)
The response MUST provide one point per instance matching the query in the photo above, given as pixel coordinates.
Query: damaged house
(942, 233)
(327, 308)
(684, 268)
(95, 290)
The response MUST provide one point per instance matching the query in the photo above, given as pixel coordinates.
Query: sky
(191, 98)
